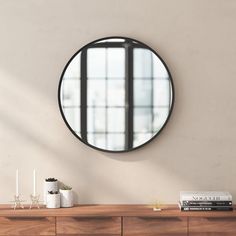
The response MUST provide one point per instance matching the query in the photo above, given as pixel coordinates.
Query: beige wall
(196, 150)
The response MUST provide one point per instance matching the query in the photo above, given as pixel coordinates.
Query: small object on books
(205, 201)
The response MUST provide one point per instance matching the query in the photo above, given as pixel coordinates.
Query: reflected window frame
(128, 44)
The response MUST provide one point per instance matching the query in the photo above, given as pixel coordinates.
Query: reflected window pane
(142, 120)
(96, 119)
(73, 69)
(96, 92)
(97, 140)
(160, 116)
(72, 116)
(162, 92)
(111, 40)
(116, 119)
(142, 63)
(116, 92)
(70, 92)
(159, 70)
(140, 138)
(96, 63)
(115, 63)
(142, 92)
(116, 142)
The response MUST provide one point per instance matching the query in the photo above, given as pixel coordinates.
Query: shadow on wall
(32, 118)
(32, 114)
(20, 113)
(30, 111)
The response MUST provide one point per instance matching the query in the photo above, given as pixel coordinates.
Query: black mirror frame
(104, 150)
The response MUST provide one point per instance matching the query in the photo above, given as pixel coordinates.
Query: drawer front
(212, 226)
(27, 226)
(89, 226)
(150, 226)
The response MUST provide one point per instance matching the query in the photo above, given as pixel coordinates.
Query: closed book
(205, 208)
(206, 203)
(205, 196)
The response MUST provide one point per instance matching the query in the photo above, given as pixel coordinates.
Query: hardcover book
(206, 203)
(205, 196)
(205, 208)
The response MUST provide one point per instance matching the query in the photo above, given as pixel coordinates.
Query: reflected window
(116, 94)
(152, 95)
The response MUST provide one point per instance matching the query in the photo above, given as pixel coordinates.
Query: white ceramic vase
(66, 198)
(53, 201)
(49, 186)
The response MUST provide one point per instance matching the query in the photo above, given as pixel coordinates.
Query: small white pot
(53, 201)
(66, 198)
(49, 186)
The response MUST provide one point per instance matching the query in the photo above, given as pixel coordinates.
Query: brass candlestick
(157, 206)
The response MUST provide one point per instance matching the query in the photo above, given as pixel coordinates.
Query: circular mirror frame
(151, 139)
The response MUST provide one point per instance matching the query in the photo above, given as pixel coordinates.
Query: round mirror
(116, 94)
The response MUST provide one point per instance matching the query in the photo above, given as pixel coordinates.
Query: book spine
(206, 203)
(205, 198)
(206, 208)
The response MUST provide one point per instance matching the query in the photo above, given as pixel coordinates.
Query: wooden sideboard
(115, 220)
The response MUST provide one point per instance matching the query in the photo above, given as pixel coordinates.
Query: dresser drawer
(216, 226)
(155, 226)
(89, 226)
(27, 226)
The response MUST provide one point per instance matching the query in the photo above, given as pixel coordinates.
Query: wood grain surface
(27, 226)
(154, 226)
(111, 210)
(89, 226)
(208, 226)
(115, 220)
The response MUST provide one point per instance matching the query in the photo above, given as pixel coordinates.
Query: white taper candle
(17, 182)
(34, 193)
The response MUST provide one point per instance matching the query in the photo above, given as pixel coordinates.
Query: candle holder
(34, 201)
(157, 206)
(17, 203)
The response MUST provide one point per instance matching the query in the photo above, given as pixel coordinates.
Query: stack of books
(205, 201)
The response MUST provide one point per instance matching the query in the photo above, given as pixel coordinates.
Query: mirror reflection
(116, 94)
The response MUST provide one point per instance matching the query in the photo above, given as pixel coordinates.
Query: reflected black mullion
(152, 97)
(128, 96)
(110, 106)
(83, 96)
(115, 45)
(106, 102)
(170, 96)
